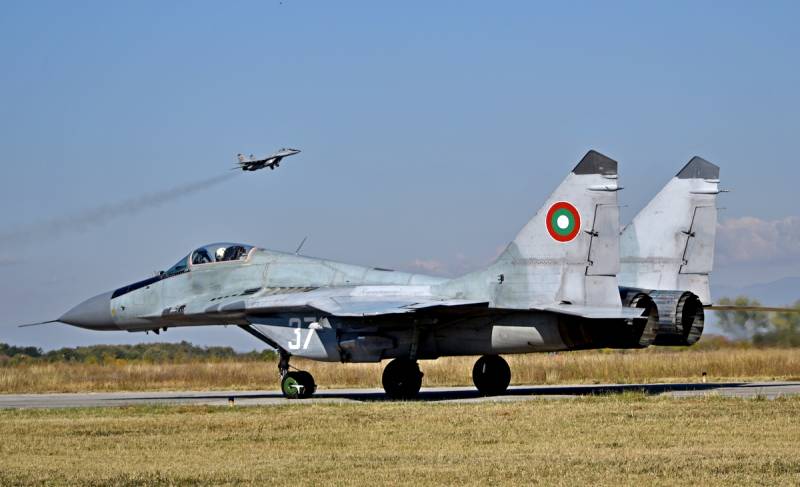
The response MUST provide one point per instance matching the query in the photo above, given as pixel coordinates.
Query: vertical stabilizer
(669, 245)
(567, 253)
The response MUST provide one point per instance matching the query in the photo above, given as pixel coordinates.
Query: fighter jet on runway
(554, 288)
(272, 161)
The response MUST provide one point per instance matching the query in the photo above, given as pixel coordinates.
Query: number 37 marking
(298, 343)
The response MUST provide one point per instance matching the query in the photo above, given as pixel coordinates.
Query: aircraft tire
(309, 386)
(402, 379)
(491, 375)
(298, 385)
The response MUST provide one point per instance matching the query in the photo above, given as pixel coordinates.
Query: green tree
(742, 324)
(11, 350)
(783, 330)
(183, 352)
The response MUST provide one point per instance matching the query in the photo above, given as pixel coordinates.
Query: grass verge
(640, 366)
(608, 440)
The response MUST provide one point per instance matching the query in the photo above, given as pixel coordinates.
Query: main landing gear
(491, 375)
(297, 384)
(402, 379)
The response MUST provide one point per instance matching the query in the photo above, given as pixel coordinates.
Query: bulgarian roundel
(563, 221)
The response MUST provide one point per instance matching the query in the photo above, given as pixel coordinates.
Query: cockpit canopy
(211, 254)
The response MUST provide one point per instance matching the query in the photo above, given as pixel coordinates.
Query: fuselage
(197, 285)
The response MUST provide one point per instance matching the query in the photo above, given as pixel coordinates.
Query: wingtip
(698, 168)
(596, 163)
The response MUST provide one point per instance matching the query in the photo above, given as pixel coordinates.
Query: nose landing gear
(297, 384)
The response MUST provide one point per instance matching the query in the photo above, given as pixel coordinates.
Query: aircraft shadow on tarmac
(444, 395)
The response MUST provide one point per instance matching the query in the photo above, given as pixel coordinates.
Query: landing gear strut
(491, 375)
(402, 379)
(297, 384)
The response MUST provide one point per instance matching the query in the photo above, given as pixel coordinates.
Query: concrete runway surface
(769, 390)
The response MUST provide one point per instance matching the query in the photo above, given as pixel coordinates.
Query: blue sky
(430, 132)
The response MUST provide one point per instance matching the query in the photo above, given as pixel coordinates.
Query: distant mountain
(776, 293)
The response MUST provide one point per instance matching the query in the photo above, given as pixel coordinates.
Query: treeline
(781, 329)
(183, 352)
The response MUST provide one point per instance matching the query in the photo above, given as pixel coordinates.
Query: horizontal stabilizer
(596, 312)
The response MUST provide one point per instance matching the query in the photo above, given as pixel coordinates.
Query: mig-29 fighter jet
(554, 288)
(272, 161)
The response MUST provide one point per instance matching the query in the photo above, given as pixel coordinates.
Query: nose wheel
(298, 384)
(295, 384)
(491, 375)
(402, 379)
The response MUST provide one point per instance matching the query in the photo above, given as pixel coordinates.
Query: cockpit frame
(232, 252)
(211, 255)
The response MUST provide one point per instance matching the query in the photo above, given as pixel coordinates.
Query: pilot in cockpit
(220, 254)
(201, 257)
(235, 252)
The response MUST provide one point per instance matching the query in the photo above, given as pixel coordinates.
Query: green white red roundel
(563, 221)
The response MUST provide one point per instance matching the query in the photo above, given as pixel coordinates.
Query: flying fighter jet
(252, 164)
(554, 288)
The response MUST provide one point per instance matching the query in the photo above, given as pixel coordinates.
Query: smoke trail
(87, 219)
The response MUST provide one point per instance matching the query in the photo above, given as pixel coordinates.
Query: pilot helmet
(220, 253)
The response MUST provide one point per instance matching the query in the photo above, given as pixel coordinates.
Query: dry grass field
(611, 440)
(644, 366)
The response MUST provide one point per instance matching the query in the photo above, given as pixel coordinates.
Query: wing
(388, 305)
(343, 302)
(340, 303)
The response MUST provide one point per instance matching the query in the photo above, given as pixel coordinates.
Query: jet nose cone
(94, 314)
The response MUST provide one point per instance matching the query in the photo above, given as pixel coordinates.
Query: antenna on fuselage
(297, 252)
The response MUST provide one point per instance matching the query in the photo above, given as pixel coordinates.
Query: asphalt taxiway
(768, 390)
